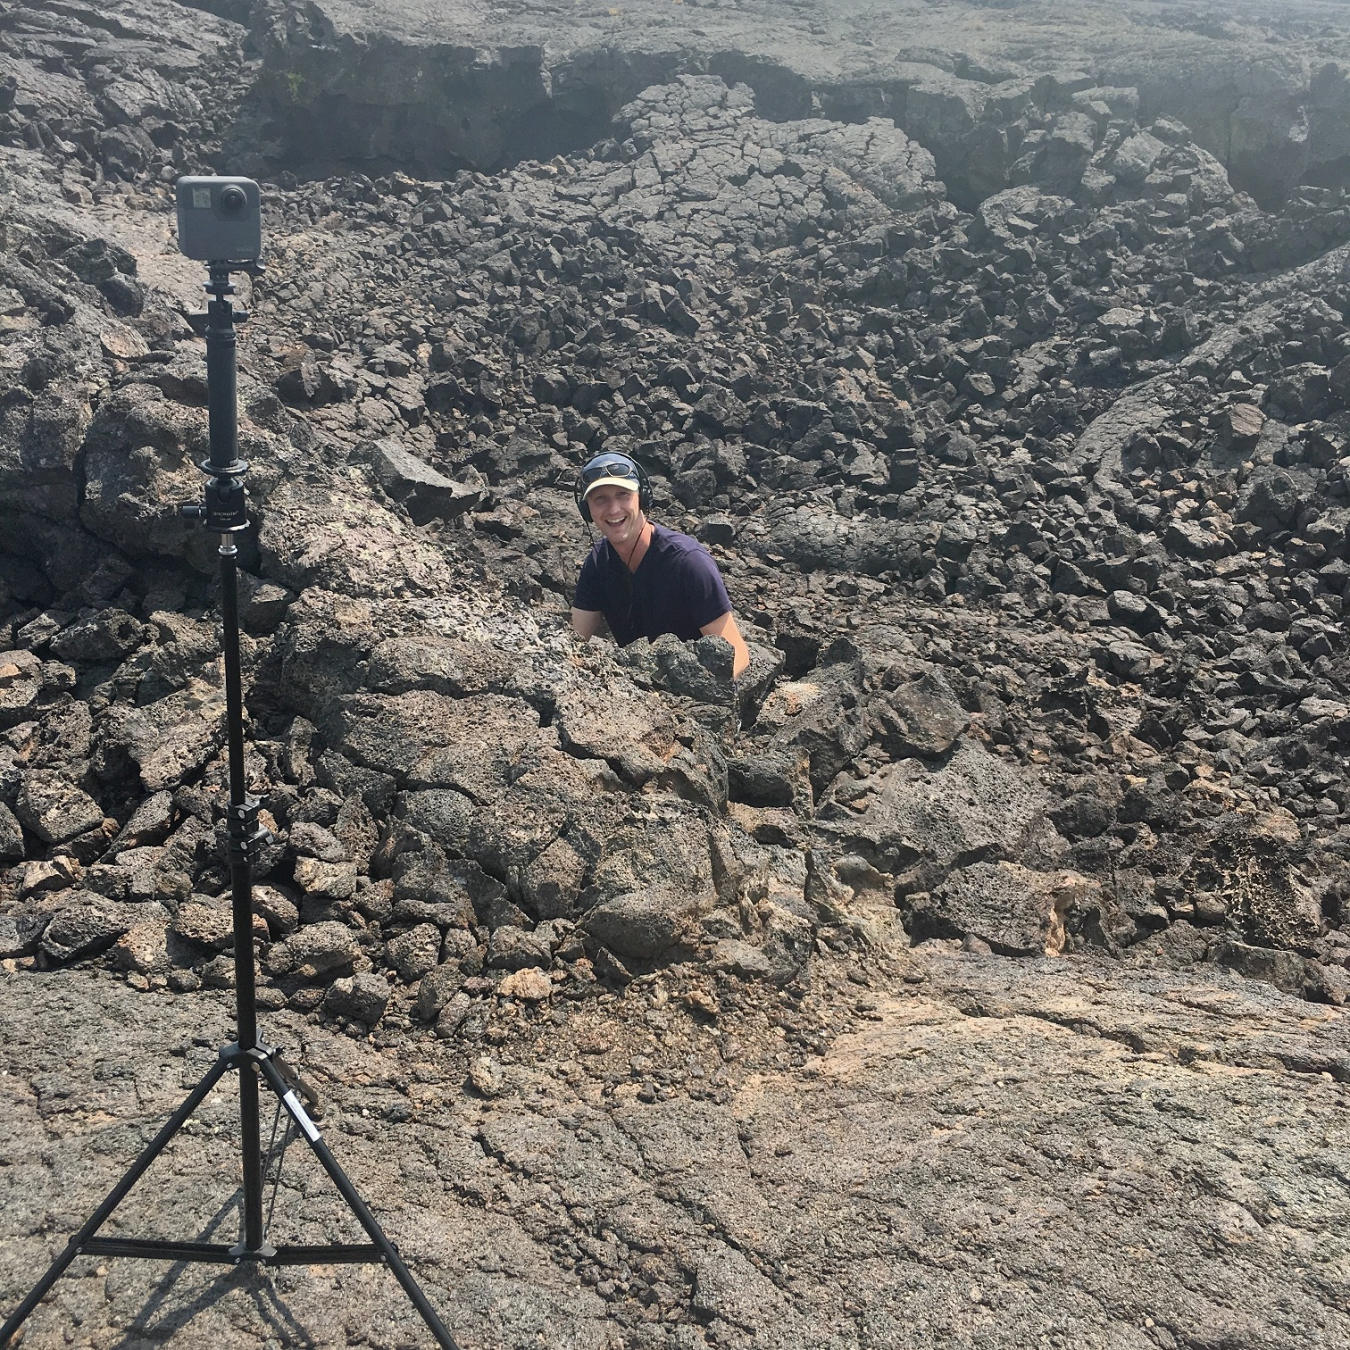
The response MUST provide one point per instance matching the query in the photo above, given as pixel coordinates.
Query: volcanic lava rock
(646, 924)
(1018, 433)
(1012, 909)
(414, 953)
(205, 925)
(437, 989)
(429, 888)
(56, 809)
(512, 948)
(85, 924)
(20, 684)
(972, 807)
(919, 719)
(357, 998)
(11, 836)
(424, 493)
(774, 778)
(315, 951)
(1007, 383)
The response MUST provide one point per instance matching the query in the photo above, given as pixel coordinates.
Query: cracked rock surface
(948, 1150)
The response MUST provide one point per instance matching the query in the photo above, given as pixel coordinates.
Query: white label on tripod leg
(301, 1117)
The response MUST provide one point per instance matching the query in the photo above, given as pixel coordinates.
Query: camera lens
(232, 199)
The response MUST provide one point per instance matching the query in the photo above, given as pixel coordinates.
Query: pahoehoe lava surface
(974, 971)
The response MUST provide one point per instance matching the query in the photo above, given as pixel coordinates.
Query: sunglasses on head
(609, 468)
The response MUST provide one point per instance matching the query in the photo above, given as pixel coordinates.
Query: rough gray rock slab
(973, 807)
(1014, 910)
(974, 1146)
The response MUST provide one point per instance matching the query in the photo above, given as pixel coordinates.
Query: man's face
(614, 511)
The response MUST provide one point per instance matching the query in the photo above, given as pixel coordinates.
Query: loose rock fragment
(529, 984)
(487, 1076)
(357, 998)
(54, 808)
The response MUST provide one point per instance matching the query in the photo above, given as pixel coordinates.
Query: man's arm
(724, 626)
(586, 622)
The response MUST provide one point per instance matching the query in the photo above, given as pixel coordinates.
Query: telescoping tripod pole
(224, 512)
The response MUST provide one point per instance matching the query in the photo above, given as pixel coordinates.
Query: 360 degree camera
(219, 219)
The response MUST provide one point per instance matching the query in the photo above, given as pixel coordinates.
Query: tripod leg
(358, 1206)
(251, 1158)
(115, 1197)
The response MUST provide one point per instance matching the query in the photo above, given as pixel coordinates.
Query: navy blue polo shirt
(676, 588)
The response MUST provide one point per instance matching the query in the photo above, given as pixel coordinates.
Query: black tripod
(224, 512)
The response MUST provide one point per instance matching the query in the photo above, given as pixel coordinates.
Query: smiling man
(641, 578)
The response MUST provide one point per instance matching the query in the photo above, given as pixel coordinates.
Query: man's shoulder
(686, 562)
(676, 545)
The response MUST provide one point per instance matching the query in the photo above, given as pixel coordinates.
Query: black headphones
(610, 464)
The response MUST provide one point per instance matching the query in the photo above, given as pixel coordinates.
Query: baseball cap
(609, 470)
